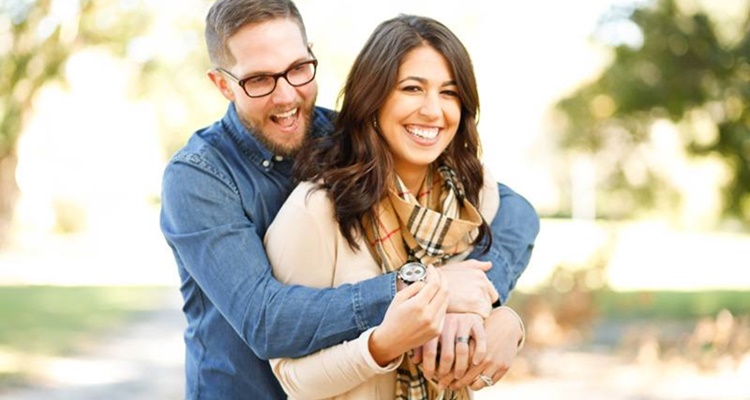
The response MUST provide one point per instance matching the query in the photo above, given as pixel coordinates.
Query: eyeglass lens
(297, 75)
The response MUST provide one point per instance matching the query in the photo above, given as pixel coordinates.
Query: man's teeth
(287, 114)
(424, 133)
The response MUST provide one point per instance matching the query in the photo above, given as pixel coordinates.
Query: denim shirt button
(265, 163)
(278, 158)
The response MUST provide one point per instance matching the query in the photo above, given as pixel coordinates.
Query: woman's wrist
(381, 350)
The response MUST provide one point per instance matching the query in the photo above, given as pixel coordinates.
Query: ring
(462, 339)
(486, 379)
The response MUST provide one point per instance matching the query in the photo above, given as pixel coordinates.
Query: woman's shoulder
(489, 196)
(310, 195)
(307, 207)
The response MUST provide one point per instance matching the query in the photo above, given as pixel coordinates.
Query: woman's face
(421, 114)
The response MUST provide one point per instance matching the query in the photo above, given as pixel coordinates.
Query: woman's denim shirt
(220, 193)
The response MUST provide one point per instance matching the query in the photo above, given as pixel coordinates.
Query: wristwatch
(412, 272)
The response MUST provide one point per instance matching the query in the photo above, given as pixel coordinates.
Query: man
(223, 189)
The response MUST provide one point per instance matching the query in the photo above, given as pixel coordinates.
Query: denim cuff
(370, 300)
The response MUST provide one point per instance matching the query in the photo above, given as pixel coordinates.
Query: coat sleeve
(304, 230)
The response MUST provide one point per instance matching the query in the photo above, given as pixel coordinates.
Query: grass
(51, 321)
(649, 304)
(670, 304)
(55, 321)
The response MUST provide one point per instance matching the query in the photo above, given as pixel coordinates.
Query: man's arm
(211, 236)
(514, 230)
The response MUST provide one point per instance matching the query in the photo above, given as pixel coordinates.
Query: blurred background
(624, 122)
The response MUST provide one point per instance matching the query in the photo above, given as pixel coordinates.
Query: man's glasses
(262, 85)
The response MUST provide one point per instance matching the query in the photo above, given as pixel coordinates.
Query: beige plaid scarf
(431, 227)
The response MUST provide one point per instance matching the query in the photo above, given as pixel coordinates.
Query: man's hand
(505, 331)
(415, 316)
(470, 290)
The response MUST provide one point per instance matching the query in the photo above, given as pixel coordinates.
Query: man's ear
(221, 83)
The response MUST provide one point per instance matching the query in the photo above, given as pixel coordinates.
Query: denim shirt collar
(258, 153)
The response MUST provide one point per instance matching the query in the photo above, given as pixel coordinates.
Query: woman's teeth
(424, 133)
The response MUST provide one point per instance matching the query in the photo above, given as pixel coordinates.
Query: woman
(399, 181)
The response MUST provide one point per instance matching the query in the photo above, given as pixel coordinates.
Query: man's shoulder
(201, 144)
(325, 113)
(516, 210)
(323, 121)
(514, 199)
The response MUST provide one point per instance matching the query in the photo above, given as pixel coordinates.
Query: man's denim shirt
(220, 194)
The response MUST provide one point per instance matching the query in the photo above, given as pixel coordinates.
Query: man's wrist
(522, 340)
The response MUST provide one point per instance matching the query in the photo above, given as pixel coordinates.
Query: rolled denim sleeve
(514, 230)
(218, 247)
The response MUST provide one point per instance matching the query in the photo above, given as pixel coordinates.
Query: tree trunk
(8, 194)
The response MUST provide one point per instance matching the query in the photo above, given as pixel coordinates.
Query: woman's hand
(414, 317)
(458, 331)
(506, 330)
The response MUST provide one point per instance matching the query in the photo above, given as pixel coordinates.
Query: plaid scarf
(431, 227)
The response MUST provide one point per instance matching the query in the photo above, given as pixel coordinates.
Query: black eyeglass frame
(275, 77)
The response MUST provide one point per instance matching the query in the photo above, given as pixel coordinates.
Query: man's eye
(258, 80)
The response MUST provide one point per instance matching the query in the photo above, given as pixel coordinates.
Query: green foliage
(40, 41)
(36, 39)
(681, 69)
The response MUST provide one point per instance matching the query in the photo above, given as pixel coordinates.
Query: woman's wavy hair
(355, 164)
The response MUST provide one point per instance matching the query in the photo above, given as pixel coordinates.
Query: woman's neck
(413, 179)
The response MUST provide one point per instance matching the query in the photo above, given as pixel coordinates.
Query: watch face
(412, 272)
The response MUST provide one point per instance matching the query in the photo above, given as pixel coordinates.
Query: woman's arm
(331, 371)
(305, 230)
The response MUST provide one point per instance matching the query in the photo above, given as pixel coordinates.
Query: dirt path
(145, 361)
(142, 361)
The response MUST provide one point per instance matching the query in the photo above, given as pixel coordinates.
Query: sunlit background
(635, 155)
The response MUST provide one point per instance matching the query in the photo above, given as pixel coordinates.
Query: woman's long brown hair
(355, 164)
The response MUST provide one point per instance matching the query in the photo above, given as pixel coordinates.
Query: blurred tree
(36, 39)
(671, 65)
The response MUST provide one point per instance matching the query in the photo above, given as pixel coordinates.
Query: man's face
(280, 120)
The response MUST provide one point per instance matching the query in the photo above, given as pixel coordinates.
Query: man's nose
(283, 92)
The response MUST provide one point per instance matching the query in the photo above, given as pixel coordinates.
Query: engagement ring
(486, 379)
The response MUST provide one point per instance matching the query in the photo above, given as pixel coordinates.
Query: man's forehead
(268, 46)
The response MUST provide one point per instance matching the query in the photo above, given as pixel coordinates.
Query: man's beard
(266, 139)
